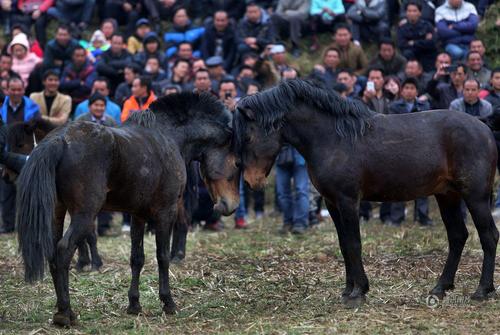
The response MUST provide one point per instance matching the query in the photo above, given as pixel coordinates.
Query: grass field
(256, 281)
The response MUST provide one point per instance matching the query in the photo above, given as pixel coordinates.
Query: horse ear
(248, 113)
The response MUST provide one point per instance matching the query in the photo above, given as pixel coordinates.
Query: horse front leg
(350, 244)
(136, 263)
(164, 224)
(94, 253)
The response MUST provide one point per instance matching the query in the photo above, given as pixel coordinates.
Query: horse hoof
(177, 259)
(79, 267)
(134, 309)
(170, 309)
(483, 294)
(62, 320)
(439, 293)
(353, 301)
(95, 268)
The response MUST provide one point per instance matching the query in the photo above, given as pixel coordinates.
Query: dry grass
(256, 281)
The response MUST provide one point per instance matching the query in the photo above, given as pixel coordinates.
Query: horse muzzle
(225, 207)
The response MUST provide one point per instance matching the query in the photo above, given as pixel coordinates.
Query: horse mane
(144, 118)
(182, 108)
(271, 106)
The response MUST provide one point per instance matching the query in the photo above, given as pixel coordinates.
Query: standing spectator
(413, 69)
(16, 108)
(443, 92)
(151, 48)
(324, 14)
(183, 30)
(179, 76)
(96, 113)
(476, 68)
(471, 103)
(29, 12)
(54, 106)
(408, 103)
(352, 56)
(78, 76)
(456, 23)
(76, 13)
(254, 32)
(416, 37)
(134, 42)
(388, 59)
(23, 61)
(101, 86)
(369, 20)
(288, 20)
(124, 90)
(58, 51)
(220, 40)
(142, 97)
(113, 61)
(125, 12)
(328, 70)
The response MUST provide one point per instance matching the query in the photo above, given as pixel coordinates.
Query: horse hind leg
(449, 206)
(94, 253)
(83, 256)
(479, 208)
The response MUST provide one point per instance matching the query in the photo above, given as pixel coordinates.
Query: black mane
(271, 106)
(182, 108)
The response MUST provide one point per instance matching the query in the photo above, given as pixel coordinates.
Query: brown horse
(138, 168)
(354, 154)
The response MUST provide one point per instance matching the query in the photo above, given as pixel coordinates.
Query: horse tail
(36, 200)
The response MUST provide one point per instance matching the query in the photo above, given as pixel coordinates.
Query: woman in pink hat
(23, 60)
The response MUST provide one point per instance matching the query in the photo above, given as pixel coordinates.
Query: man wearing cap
(216, 71)
(220, 40)
(134, 42)
(408, 103)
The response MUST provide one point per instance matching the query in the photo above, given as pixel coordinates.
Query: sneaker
(285, 229)
(298, 230)
(216, 227)
(240, 224)
(427, 223)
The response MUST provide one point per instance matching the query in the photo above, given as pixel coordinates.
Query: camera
(228, 95)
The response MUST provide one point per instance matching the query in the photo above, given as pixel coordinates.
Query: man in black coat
(59, 51)
(220, 40)
(113, 61)
(254, 31)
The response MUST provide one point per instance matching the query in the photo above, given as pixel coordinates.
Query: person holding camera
(444, 92)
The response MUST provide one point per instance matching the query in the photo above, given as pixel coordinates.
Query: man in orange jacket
(142, 97)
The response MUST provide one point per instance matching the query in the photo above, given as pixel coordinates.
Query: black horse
(354, 154)
(139, 168)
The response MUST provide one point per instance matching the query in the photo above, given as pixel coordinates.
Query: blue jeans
(241, 211)
(67, 13)
(456, 51)
(294, 204)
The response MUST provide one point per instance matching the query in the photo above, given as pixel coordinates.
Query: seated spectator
(444, 92)
(235, 9)
(6, 66)
(75, 13)
(471, 103)
(125, 12)
(109, 27)
(413, 69)
(388, 59)
(35, 46)
(23, 61)
(348, 79)
(134, 42)
(171, 89)
(113, 61)
(456, 23)
(427, 10)
(352, 56)
(202, 82)
(373, 94)
(476, 69)
(216, 71)
(96, 46)
(183, 31)
(324, 14)
(54, 106)
(392, 88)
(178, 76)
(142, 97)
(185, 51)
(443, 60)
(97, 111)
(493, 96)
(29, 12)
(164, 9)
(228, 93)
(101, 86)
(327, 71)
(151, 48)
(254, 30)
(269, 68)
(58, 51)
(220, 40)
(369, 20)
(124, 90)
(477, 45)
(288, 20)
(78, 76)
(198, 64)
(154, 71)
(416, 37)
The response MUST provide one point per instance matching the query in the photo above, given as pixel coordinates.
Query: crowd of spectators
(428, 56)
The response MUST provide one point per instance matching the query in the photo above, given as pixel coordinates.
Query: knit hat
(98, 36)
(21, 39)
